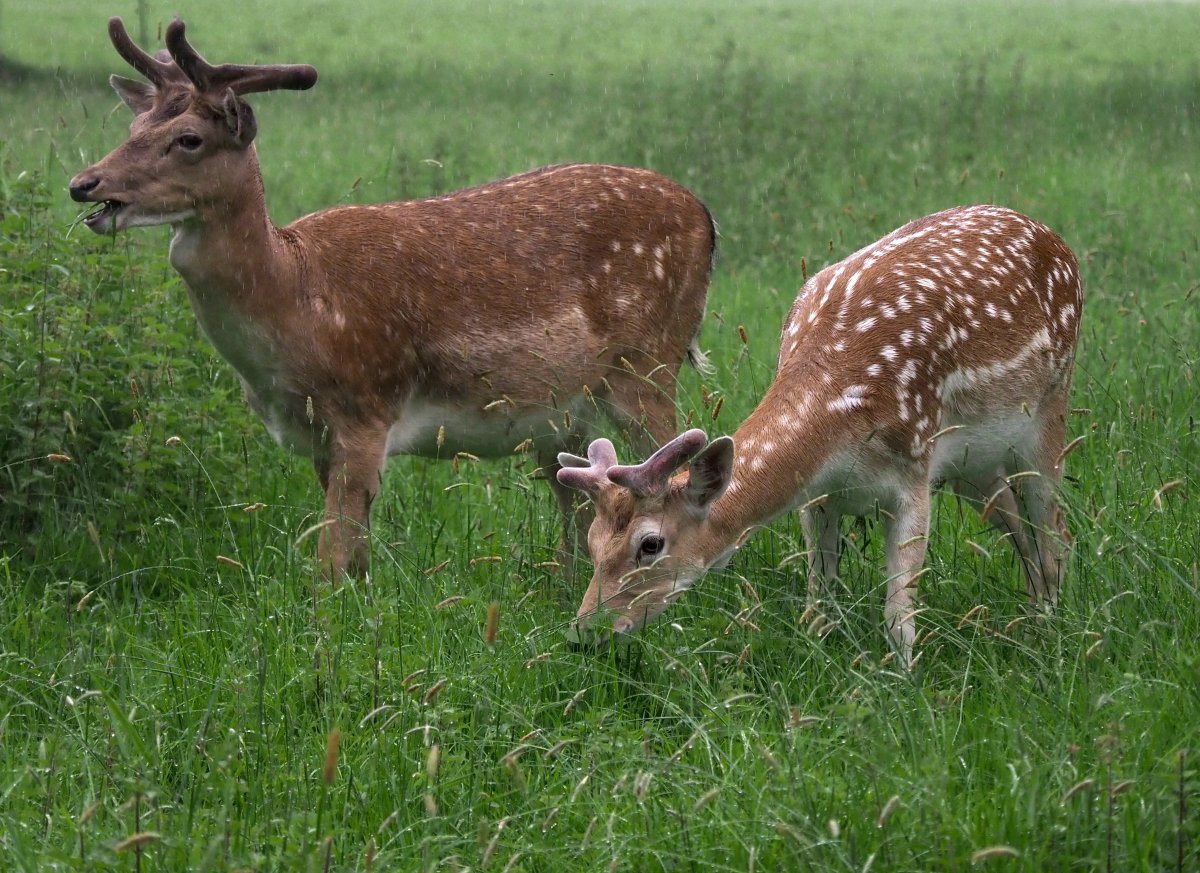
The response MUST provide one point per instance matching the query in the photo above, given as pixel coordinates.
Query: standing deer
(941, 353)
(494, 318)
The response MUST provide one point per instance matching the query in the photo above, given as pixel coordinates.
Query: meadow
(180, 690)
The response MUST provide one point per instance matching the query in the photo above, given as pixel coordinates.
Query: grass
(173, 669)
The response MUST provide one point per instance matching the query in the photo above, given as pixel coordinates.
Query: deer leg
(822, 535)
(349, 472)
(644, 406)
(1040, 512)
(907, 537)
(994, 499)
(576, 514)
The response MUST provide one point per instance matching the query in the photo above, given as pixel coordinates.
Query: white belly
(441, 430)
(971, 451)
(856, 481)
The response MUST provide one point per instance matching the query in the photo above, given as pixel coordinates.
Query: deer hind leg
(350, 473)
(822, 536)
(576, 513)
(907, 539)
(643, 401)
(1041, 513)
(996, 502)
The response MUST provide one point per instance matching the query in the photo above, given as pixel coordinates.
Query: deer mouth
(104, 216)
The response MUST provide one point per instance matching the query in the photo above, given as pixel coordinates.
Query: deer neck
(778, 452)
(229, 252)
(240, 272)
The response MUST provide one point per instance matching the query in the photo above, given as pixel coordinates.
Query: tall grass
(172, 668)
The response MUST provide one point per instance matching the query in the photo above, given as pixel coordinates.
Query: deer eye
(189, 142)
(650, 547)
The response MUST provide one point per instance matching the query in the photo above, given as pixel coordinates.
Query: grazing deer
(941, 353)
(492, 319)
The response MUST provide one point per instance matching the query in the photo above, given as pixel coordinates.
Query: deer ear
(138, 96)
(240, 118)
(709, 474)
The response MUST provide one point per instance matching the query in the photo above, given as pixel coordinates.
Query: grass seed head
(705, 799)
(993, 852)
(579, 786)
(587, 832)
(1075, 789)
(574, 701)
(1164, 490)
(641, 784)
(1121, 787)
(136, 841)
(434, 690)
(331, 755)
(978, 610)
(492, 623)
(888, 809)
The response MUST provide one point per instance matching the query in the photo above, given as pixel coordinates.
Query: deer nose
(83, 185)
(583, 636)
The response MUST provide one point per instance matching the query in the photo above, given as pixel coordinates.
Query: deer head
(189, 146)
(648, 517)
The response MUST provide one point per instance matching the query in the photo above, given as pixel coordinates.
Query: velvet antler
(587, 474)
(189, 66)
(650, 477)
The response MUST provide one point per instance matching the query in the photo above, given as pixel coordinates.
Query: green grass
(170, 663)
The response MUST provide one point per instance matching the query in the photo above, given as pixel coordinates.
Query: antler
(650, 477)
(240, 78)
(158, 72)
(189, 66)
(587, 474)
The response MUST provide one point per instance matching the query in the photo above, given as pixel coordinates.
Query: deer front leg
(907, 537)
(350, 473)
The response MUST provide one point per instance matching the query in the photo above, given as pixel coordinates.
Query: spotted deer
(494, 319)
(940, 354)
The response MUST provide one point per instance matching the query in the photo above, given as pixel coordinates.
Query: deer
(940, 355)
(505, 317)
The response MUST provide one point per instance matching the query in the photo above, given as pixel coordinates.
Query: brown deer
(941, 353)
(494, 319)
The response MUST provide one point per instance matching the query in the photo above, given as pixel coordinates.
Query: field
(179, 689)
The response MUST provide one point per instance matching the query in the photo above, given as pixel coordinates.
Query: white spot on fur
(854, 397)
